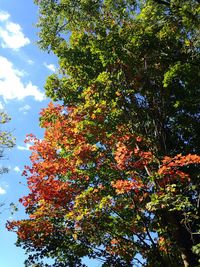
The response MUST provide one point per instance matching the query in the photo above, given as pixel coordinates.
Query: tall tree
(116, 176)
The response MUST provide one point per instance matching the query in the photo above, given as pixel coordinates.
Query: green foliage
(145, 53)
(7, 141)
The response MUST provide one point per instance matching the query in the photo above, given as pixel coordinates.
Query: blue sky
(23, 70)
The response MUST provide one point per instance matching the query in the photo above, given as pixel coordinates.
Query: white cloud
(11, 34)
(2, 191)
(11, 85)
(51, 67)
(17, 169)
(26, 147)
(4, 16)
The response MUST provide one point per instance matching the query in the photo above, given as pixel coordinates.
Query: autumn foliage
(115, 177)
(110, 192)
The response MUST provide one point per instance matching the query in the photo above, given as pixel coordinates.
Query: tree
(116, 176)
(6, 141)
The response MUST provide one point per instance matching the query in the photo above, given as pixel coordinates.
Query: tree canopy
(115, 177)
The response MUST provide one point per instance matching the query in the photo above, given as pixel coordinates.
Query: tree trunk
(184, 241)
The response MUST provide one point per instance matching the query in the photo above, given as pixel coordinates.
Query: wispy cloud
(26, 147)
(4, 15)
(25, 108)
(16, 169)
(12, 86)
(51, 67)
(3, 188)
(11, 34)
(30, 61)
(2, 191)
